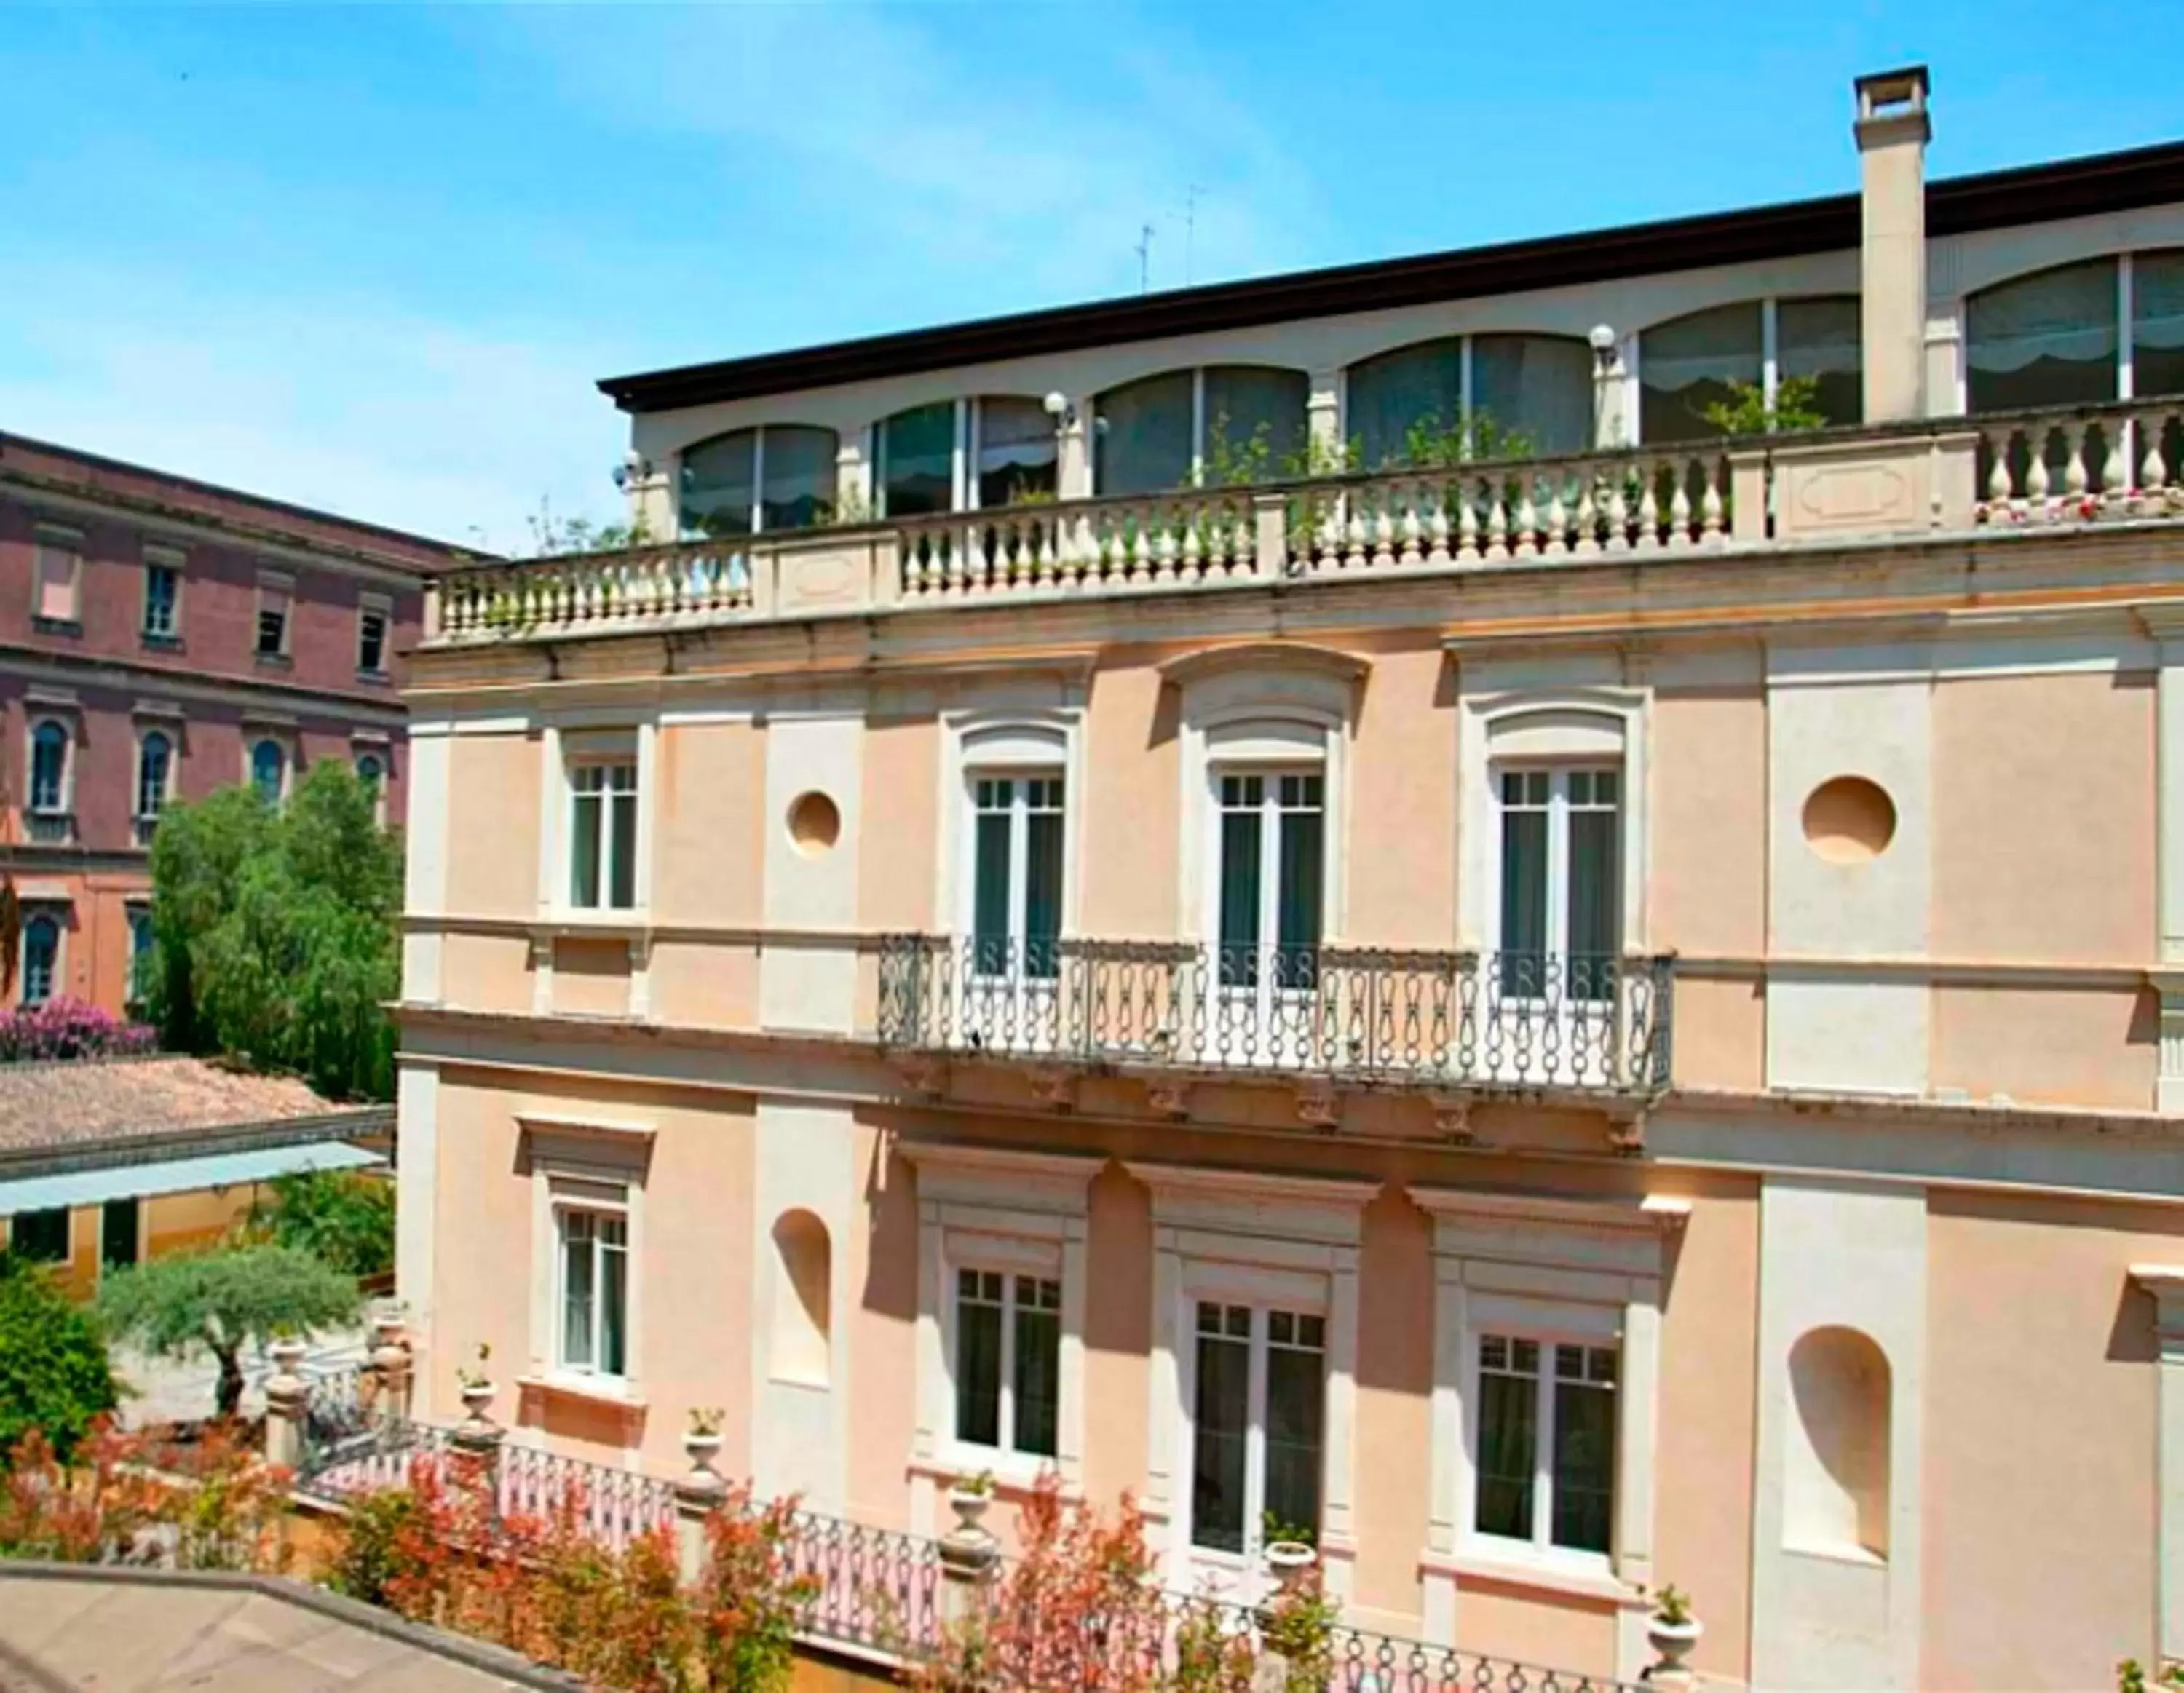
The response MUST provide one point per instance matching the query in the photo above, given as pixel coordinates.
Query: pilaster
(2166, 1281)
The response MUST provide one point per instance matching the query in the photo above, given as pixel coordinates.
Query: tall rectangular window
(1273, 828)
(1008, 1361)
(594, 1292)
(1561, 911)
(603, 835)
(371, 638)
(60, 570)
(118, 1234)
(1546, 1459)
(273, 606)
(163, 594)
(1016, 901)
(1257, 1425)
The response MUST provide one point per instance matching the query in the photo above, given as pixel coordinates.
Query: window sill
(1538, 1574)
(375, 678)
(274, 661)
(57, 626)
(619, 1393)
(153, 643)
(1015, 1475)
(1836, 1551)
(602, 923)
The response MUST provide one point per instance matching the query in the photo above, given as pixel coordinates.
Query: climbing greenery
(277, 931)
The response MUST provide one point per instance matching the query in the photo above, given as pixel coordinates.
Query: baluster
(2115, 458)
(1588, 513)
(1436, 494)
(1999, 488)
(1619, 509)
(1244, 540)
(1710, 504)
(1680, 506)
(1141, 545)
(1466, 522)
(1085, 550)
(1557, 519)
(1164, 547)
(1497, 520)
(1412, 531)
(1526, 543)
(1043, 571)
(2153, 472)
(2075, 479)
(2035, 470)
(1649, 505)
(1383, 527)
(1357, 535)
(959, 563)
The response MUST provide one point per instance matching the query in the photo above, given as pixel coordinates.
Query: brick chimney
(1892, 131)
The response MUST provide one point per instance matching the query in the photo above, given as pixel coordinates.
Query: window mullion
(1543, 1459)
(1270, 870)
(1020, 864)
(1255, 1433)
(1558, 865)
(1005, 1429)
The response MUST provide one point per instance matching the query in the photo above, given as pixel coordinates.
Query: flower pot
(701, 1447)
(476, 1397)
(1671, 1642)
(970, 1508)
(1287, 1560)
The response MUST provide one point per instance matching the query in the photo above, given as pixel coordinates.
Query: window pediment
(1271, 659)
(1552, 731)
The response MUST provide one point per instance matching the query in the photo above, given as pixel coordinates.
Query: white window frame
(979, 1259)
(1291, 1243)
(64, 722)
(174, 562)
(1011, 742)
(990, 1208)
(1557, 808)
(1020, 812)
(1271, 810)
(606, 765)
(1584, 725)
(584, 1164)
(601, 1212)
(58, 916)
(55, 538)
(381, 606)
(1541, 1546)
(284, 584)
(1262, 704)
(1260, 1345)
(1589, 1271)
(563, 747)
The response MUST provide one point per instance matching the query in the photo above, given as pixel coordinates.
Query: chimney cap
(1893, 101)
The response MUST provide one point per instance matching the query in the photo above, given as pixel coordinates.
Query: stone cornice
(1969, 585)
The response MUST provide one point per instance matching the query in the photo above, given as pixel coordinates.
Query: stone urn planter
(969, 1505)
(1671, 1642)
(701, 1446)
(477, 1397)
(1288, 1562)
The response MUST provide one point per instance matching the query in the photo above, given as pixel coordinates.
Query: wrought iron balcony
(46, 827)
(1444, 1019)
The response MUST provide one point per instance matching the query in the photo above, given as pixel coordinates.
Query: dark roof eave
(2040, 193)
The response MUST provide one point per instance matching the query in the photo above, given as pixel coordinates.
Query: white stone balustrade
(1949, 474)
(2118, 461)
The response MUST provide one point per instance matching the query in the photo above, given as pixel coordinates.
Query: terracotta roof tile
(83, 1103)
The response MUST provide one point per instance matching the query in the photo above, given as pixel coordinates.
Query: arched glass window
(1396, 399)
(42, 952)
(1145, 440)
(780, 477)
(2156, 324)
(154, 760)
(268, 770)
(1016, 450)
(49, 751)
(1255, 422)
(2047, 339)
(1688, 364)
(1537, 390)
(917, 460)
(1820, 340)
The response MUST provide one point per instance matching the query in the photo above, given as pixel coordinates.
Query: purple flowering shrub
(68, 1029)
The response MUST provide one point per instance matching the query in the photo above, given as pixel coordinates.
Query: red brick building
(159, 638)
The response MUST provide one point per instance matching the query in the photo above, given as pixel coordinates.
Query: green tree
(340, 1217)
(277, 931)
(53, 1373)
(220, 1301)
(1746, 411)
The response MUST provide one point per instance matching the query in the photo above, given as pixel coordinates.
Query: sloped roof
(100, 1101)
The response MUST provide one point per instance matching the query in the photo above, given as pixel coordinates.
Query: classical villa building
(161, 637)
(1312, 899)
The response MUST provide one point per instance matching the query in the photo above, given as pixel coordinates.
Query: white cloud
(336, 404)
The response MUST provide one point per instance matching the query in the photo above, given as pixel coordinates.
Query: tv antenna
(1144, 251)
(1190, 227)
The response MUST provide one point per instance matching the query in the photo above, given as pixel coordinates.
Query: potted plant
(701, 1441)
(476, 1385)
(1672, 1630)
(969, 1498)
(1289, 1549)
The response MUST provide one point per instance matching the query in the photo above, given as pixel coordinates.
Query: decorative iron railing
(1527, 1020)
(877, 1592)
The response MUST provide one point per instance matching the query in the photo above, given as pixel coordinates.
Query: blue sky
(373, 258)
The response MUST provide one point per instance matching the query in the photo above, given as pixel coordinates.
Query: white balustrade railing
(1628, 501)
(595, 592)
(1157, 541)
(2067, 467)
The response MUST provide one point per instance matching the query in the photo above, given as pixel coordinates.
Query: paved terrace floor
(73, 1630)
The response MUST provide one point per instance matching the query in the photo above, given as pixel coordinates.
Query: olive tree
(220, 1301)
